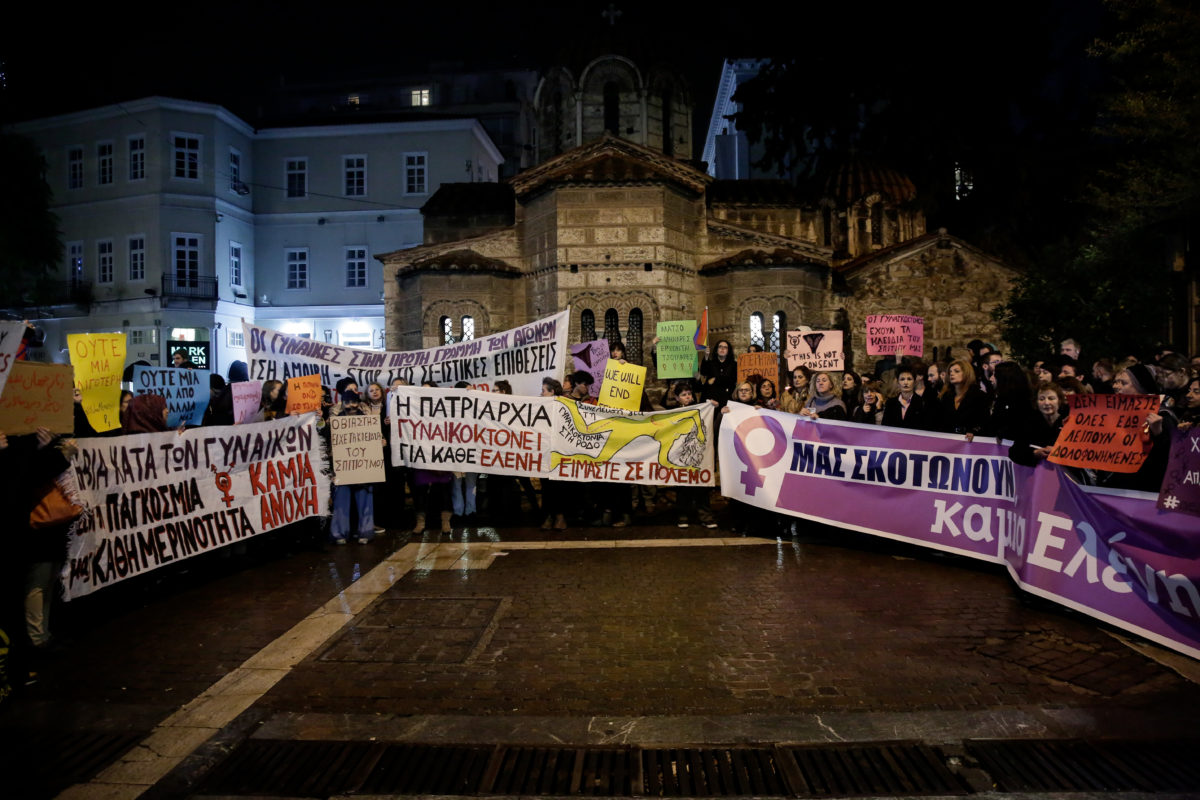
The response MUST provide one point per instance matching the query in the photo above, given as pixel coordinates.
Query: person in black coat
(1034, 444)
(964, 408)
(906, 409)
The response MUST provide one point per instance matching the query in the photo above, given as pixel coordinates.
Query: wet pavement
(641, 636)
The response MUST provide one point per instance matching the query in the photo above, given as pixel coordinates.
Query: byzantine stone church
(617, 223)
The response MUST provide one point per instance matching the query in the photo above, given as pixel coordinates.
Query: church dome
(855, 178)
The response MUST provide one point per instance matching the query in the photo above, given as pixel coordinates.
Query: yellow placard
(622, 386)
(99, 361)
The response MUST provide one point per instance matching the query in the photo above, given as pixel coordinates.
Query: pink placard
(895, 335)
(247, 396)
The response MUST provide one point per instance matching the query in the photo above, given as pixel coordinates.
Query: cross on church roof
(611, 14)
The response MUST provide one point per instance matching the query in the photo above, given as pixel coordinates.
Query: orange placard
(1106, 431)
(303, 394)
(764, 365)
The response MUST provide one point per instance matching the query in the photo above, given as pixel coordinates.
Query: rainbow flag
(701, 339)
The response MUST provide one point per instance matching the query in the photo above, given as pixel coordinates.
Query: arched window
(668, 140)
(877, 223)
(556, 124)
(612, 108)
(587, 326)
(612, 326)
(633, 337)
(778, 328)
(468, 328)
(756, 329)
(447, 326)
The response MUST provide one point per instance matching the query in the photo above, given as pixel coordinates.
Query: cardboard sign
(356, 448)
(591, 358)
(676, 349)
(10, 341)
(895, 335)
(623, 385)
(303, 394)
(187, 391)
(38, 395)
(1105, 431)
(247, 397)
(1181, 485)
(820, 351)
(99, 362)
(763, 365)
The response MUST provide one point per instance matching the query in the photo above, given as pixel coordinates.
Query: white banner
(458, 430)
(153, 498)
(522, 356)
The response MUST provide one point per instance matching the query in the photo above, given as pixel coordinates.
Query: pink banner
(1112, 555)
(895, 334)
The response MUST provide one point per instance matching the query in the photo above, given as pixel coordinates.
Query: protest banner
(623, 386)
(152, 499)
(303, 394)
(895, 335)
(1108, 555)
(758, 367)
(591, 357)
(38, 395)
(10, 340)
(820, 351)
(675, 354)
(247, 397)
(187, 391)
(1181, 485)
(461, 430)
(99, 362)
(356, 449)
(1105, 431)
(522, 356)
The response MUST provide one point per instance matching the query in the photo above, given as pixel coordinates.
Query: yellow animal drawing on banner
(665, 429)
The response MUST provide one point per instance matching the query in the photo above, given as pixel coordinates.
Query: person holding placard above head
(963, 407)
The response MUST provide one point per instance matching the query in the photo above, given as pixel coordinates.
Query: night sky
(60, 60)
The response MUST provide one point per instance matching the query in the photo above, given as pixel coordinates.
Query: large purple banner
(1112, 555)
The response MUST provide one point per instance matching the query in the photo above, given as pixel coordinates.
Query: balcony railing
(48, 293)
(196, 288)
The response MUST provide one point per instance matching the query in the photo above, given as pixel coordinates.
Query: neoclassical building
(624, 229)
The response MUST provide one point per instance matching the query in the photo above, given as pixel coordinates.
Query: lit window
(356, 266)
(964, 182)
(297, 268)
(235, 264)
(296, 177)
(104, 262)
(778, 326)
(420, 97)
(104, 163)
(237, 338)
(187, 157)
(447, 330)
(137, 158)
(414, 173)
(355, 183)
(756, 329)
(75, 168)
(137, 258)
(468, 328)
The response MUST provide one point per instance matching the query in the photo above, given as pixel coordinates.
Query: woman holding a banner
(1037, 442)
(1137, 379)
(964, 407)
(824, 403)
(907, 408)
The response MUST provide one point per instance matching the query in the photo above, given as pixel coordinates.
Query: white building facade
(179, 220)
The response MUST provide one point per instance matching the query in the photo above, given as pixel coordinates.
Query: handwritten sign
(591, 358)
(10, 340)
(303, 394)
(38, 395)
(356, 447)
(1181, 485)
(187, 391)
(247, 397)
(763, 366)
(1105, 431)
(99, 362)
(820, 351)
(622, 387)
(895, 335)
(676, 353)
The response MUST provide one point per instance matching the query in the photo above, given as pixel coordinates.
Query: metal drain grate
(724, 772)
(427, 769)
(1104, 766)
(561, 771)
(45, 763)
(892, 768)
(297, 769)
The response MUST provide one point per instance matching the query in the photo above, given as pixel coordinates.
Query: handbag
(54, 507)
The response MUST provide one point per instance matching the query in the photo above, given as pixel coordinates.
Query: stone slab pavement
(643, 635)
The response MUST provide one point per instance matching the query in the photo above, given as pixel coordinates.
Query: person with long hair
(766, 395)
(869, 410)
(851, 389)
(963, 405)
(1189, 412)
(719, 373)
(269, 404)
(824, 400)
(795, 394)
(1012, 411)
